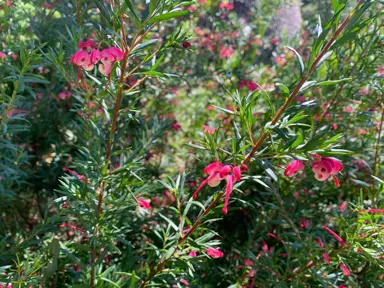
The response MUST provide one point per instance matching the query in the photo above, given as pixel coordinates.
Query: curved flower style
(217, 172)
(214, 253)
(293, 168)
(325, 167)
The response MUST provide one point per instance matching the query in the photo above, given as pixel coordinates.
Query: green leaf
(224, 110)
(167, 16)
(283, 88)
(157, 63)
(153, 5)
(144, 45)
(333, 82)
(298, 141)
(301, 63)
(170, 222)
(133, 13)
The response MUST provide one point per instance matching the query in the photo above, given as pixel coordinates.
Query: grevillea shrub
(172, 144)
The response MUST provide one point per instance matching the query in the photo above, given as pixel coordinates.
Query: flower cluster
(252, 86)
(217, 172)
(87, 57)
(323, 167)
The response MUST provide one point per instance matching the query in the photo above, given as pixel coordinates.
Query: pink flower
(217, 172)
(185, 282)
(94, 56)
(63, 95)
(208, 129)
(276, 237)
(72, 227)
(87, 45)
(80, 177)
(326, 167)
(225, 52)
(345, 270)
(337, 237)
(3, 55)
(193, 253)
(144, 203)
(252, 86)
(326, 258)
(280, 60)
(371, 210)
(320, 243)
(214, 253)
(226, 6)
(304, 223)
(109, 56)
(293, 168)
(380, 71)
(274, 41)
(343, 206)
(248, 262)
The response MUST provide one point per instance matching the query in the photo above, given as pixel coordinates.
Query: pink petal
(214, 179)
(237, 173)
(80, 58)
(212, 168)
(105, 68)
(230, 179)
(94, 56)
(225, 170)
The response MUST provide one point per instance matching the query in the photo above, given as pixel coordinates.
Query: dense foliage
(165, 143)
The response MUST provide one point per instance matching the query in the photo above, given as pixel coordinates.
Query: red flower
(82, 178)
(226, 6)
(87, 45)
(252, 86)
(144, 203)
(304, 223)
(225, 52)
(217, 172)
(337, 237)
(326, 167)
(208, 129)
(320, 243)
(248, 262)
(176, 126)
(214, 253)
(326, 258)
(370, 210)
(293, 168)
(186, 44)
(63, 95)
(345, 270)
